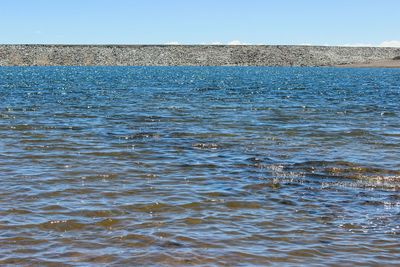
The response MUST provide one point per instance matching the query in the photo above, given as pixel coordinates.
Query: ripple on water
(204, 166)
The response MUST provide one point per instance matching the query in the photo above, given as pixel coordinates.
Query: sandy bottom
(376, 64)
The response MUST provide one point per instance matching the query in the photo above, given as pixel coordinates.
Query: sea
(199, 166)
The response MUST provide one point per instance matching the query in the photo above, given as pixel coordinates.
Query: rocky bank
(190, 55)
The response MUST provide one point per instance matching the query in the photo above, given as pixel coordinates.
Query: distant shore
(197, 55)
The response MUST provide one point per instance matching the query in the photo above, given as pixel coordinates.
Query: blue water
(199, 166)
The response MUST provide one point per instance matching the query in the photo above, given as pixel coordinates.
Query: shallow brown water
(199, 166)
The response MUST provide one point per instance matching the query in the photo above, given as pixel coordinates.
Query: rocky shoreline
(192, 55)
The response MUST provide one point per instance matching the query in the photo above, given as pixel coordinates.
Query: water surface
(205, 166)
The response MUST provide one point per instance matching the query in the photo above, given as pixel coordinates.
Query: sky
(314, 22)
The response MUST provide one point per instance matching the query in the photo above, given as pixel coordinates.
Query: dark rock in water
(259, 159)
(206, 146)
(172, 244)
(255, 159)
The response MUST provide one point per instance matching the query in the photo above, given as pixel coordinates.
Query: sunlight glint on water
(199, 166)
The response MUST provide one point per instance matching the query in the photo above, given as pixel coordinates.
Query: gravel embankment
(190, 55)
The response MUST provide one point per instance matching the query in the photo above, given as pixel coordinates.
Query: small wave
(62, 225)
(349, 174)
(140, 135)
(152, 207)
(328, 169)
(346, 169)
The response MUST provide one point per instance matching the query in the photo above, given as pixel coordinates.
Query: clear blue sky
(203, 21)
